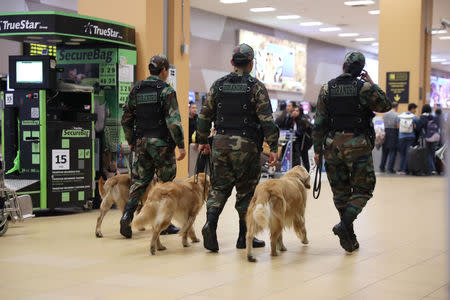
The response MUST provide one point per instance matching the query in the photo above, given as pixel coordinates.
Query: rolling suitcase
(418, 163)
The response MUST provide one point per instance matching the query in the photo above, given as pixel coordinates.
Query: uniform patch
(234, 88)
(344, 90)
(147, 98)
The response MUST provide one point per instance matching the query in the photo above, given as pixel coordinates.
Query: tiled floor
(404, 255)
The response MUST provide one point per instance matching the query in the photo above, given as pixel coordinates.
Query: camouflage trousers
(150, 159)
(349, 166)
(234, 168)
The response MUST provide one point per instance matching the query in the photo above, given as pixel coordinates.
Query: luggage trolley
(9, 203)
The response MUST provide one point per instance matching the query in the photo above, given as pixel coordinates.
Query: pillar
(148, 19)
(405, 45)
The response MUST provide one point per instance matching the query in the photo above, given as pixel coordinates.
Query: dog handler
(239, 106)
(344, 132)
(152, 123)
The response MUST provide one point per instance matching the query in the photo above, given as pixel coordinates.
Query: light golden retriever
(278, 203)
(116, 191)
(179, 200)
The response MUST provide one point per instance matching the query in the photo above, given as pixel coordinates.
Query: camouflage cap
(355, 57)
(243, 53)
(159, 61)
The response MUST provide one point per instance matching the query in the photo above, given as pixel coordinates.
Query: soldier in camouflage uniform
(152, 124)
(239, 106)
(344, 133)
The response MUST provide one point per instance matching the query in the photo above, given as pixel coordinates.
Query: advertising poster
(440, 92)
(280, 64)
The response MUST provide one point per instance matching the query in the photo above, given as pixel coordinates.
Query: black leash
(203, 165)
(318, 178)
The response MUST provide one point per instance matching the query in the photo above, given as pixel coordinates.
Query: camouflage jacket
(172, 115)
(371, 96)
(260, 100)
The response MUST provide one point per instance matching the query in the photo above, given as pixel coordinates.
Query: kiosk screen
(29, 71)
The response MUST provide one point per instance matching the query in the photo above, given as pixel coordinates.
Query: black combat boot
(209, 229)
(343, 231)
(353, 237)
(171, 229)
(241, 241)
(125, 221)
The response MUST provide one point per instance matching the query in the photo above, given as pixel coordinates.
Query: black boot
(209, 229)
(344, 231)
(125, 221)
(171, 229)
(241, 242)
(353, 237)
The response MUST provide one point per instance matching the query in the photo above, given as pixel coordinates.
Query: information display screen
(29, 72)
(280, 64)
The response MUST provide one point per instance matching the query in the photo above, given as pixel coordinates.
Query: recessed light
(348, 34)
(374, 12)
(72, 43)
(359, 3)
(329, 29)
(262, 9)
(375, 44)
(34, 37)
(311, 24)
(439, 31)
(445, 63)
(365, 39)
(77, 40)
(288, 17)
(232, 1)
(438, 60)
(54, 41)
(444, 37)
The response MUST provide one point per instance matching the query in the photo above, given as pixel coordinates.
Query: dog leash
(318, 178)
(205, 160)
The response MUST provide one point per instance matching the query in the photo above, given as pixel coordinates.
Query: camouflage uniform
(152, 154)
(236, 159)
(348, 156)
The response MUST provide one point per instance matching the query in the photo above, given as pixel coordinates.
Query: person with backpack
(407, 123)
(390, 144)
(428, 134)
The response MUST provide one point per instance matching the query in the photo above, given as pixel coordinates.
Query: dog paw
(273, 254)
(162, 248)
(283, 248)
(99, 234)
(141, 229)
(186, 245)
(251, 259)
(305, 241)
(196, 240)
(152, 251)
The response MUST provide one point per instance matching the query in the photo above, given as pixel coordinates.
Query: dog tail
(261, 214)
(101, 187)
(146, 215)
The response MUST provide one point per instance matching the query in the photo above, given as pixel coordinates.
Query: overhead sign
(397, 86)
(65, 24)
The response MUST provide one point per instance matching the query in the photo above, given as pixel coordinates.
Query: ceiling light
(78, 40)
(445, 63)
(438, 60)
(262, 9)
(54, 41)
(311, 24)
(288, 17)
(72, 43)
(359, 3)
(348, 34)
(365, 39)
(34, 37)
(444, 37)
(329, 29)
(232, 1)
(438, 31)
(374, 12)
(375, 44)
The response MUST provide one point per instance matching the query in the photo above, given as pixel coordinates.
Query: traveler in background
(407, 123)
(303, 133)
(390, 145)
(427, 127)
(437, 116)
(281, 112)
(192, 120)
(286, 122)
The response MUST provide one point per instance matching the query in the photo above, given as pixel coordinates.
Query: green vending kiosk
(64, 105)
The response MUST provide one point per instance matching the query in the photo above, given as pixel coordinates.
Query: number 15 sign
(60, 159)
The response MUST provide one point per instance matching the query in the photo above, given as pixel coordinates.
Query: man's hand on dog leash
(273, 158)
(204, 149)
(316, 159)
(182, 154)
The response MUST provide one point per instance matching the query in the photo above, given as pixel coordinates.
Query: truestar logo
(23, 24)
(96, 30)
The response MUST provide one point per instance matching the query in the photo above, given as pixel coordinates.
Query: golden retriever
(278, 203)
(179, 200)
(116, 190)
